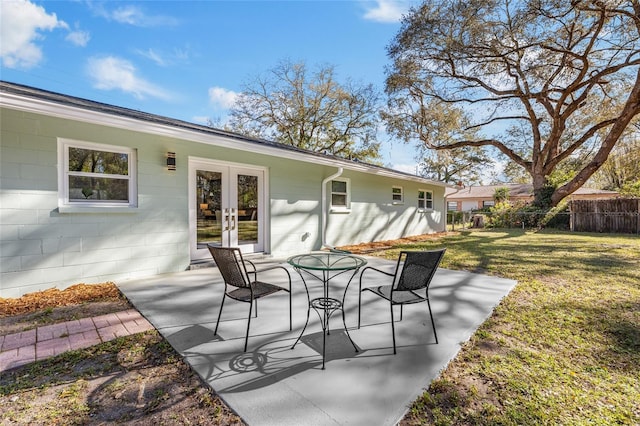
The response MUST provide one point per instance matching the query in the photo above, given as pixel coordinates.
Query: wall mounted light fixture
(171, 160)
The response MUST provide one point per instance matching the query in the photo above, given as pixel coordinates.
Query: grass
(562, 348)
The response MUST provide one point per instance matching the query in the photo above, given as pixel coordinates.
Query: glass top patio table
(330, 261)
(325, 266)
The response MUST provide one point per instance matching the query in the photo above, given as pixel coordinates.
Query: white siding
(42, 247)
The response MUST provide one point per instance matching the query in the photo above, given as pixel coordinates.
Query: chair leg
(290, 313)
(393, 328)
(215, 332)
(359, 299)
(433, 324)
(246, 338)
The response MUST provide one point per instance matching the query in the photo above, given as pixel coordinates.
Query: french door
(226, 204)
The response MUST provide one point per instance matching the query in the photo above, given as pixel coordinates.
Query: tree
(621, 171)
(465, 165)
(545, 82)
(311, 111)
(501, 194)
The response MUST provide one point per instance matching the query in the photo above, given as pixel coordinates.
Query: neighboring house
(92, 192)
(478, 197)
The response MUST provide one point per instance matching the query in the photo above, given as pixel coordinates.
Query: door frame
(198, 163)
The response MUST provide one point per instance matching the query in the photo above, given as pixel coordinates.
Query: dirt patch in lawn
(367, 248)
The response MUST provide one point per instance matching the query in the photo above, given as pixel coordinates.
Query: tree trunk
(540, 196)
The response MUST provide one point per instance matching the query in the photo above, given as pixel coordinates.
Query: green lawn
(562, 348)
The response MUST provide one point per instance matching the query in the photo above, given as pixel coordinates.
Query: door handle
(226, 219)
(233, 219)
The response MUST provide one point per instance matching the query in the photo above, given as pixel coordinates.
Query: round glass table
(324, 266)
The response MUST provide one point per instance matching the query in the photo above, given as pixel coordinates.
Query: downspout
(324, 206)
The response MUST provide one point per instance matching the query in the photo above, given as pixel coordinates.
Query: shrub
(506, 215)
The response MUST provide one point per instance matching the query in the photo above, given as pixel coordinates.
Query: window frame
(427, 201)
(64, 174)
(393, 195)
(340, 208)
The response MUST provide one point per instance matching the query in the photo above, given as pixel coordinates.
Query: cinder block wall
(42, 248)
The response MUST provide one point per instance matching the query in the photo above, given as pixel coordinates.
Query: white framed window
(488, 203)
(96, 175)
(340, 194)
(397, 195)
(425, 199)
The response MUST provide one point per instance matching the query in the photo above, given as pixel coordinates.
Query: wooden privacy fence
(619, 215)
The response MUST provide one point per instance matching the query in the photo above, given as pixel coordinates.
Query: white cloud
(113, 73)
(20, 25)
(153, 56)
(78, 37)
(222, 98)
(133, 15)
(387, 11)
(201, 119)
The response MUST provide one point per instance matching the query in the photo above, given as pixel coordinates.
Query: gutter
(324, 212)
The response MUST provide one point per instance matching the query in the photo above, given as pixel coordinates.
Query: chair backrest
(231, 265)
(418, 270)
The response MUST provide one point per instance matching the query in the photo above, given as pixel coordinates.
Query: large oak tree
(311, 110)
(545, 82)
(467, 165)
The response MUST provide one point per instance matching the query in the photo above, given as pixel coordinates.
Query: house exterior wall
(43, 247)
(374, 216)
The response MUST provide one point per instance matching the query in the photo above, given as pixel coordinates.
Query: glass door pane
(209, 208)
(226, 206)
(248, 209)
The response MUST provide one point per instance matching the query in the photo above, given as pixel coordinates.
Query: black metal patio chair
(239, 284)
(410, 283)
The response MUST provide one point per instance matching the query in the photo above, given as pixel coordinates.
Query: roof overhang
(89, 112)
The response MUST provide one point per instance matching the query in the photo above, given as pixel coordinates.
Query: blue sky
(187, 59)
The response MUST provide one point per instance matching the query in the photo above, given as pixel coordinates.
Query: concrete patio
(272, 384)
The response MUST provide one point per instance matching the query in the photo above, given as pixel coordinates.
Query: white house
(91, 192)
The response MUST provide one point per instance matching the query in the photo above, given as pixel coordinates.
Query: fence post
(571, 218)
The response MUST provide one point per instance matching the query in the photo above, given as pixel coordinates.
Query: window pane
(338, 186)
(421, 195)
(98, 189)
(420, 203)
(91, 161)
(339, 200)
(397, 190)
(429, 195)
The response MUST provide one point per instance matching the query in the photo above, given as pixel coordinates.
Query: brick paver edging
(43, 342)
